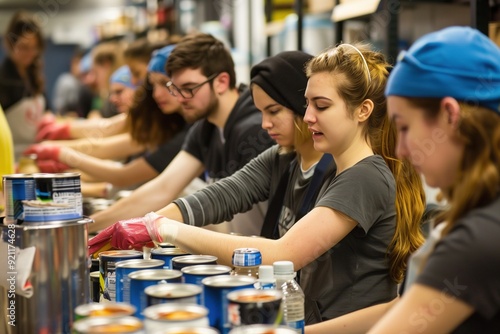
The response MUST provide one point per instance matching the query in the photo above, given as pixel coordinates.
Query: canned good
(251, 306)
(262, 329)
(123, 268)
(140, 280)
(167, 254)
(107, 310)
(95, 287)
(99, 325)
(188, 330)
(194, 274)
(17, 188)
(215, 290)
(173, 293)
(107, 263)
(58, 197)
(161, 316)
(180, 262)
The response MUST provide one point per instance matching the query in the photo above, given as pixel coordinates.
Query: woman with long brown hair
(21, 79)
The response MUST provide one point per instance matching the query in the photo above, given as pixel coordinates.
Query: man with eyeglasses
(226, 133)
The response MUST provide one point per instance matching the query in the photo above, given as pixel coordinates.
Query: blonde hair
(361, 74)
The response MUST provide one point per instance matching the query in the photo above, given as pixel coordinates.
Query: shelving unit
(365, 10)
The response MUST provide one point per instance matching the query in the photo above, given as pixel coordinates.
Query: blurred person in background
(21, 79)
(154, 121)
(67, 88)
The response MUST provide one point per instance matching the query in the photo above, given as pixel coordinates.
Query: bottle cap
(283, 268)
(246, 257)
(266, 273)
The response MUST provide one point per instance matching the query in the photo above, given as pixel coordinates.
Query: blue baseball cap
(459, 62)
(122, 76)
(159, 59)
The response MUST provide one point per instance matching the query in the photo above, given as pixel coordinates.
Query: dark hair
(147, 124)
(24, 23)
(202, 51)
(139, 49)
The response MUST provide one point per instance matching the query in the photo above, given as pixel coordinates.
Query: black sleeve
(162, 157)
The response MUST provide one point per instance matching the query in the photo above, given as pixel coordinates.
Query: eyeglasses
(187, 93)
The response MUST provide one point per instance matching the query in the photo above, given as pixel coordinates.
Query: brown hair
(24, 23)
(478, 181)
(147, 124)
(357, 82)
(140, 49)
(202, 51)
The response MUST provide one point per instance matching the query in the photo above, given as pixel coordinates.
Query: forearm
(137, 204)
(115, 147)
(219, 202)
(113, 172)
(357, 322)
(98, 128)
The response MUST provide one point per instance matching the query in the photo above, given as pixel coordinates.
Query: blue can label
(17, 189)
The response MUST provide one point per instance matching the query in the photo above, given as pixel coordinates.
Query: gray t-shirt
(355, 272)
(465, 264)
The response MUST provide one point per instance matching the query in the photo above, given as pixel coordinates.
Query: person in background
(67, 88)
(155, 121)
(136, 55)
(227, 133)
(351, 248)
(21, 79)
(107, 57)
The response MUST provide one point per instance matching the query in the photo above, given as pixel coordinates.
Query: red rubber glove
(47, 119)
(44, 152)
(125, 234)
(51, 166)
(54, 131)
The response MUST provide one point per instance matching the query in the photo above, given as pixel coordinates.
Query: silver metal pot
(59, 276)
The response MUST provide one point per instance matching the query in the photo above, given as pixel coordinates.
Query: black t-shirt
(225, 151)
(161, 158)
(466, 264)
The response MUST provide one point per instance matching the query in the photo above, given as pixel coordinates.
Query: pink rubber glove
(44, 152)
(54, 131)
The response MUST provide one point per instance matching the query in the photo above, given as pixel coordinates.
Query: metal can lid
(194, 259)
(173, 290)
(108, 325)
(254, 296)
(117, 254)
(108, 309)
(189, 329)
(155, 274)
(168, 251)
(262, 329)
(173, 312)
(139, 263)
(224, 281)
(246, 257)
(206, 269)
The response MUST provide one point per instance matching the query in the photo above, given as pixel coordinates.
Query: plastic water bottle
(246, 262)
(266, 278)
(293, 296)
